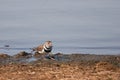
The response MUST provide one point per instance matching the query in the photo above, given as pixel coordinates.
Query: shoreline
(25, 57)
(64, 67)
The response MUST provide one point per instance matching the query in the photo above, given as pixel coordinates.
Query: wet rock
(4, 56)
(23, 54)
(58, 56)
(44, 56)
(38, 55)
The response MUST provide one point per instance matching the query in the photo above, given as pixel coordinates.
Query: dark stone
(37, 55)
(23, 54)
(4, 56)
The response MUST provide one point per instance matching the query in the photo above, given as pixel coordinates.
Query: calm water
(74, 26)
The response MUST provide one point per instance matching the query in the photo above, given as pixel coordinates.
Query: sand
(62, 67)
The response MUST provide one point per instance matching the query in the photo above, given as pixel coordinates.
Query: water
(74, 26)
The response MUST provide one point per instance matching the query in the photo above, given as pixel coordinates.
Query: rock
(23, 54)
(4, 56)
(38, 55)
(44, 56)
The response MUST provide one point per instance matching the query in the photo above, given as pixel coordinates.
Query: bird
(44, 48)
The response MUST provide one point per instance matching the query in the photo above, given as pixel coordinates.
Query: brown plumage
(44, 48)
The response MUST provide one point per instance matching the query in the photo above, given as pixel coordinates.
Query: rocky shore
(27, 66)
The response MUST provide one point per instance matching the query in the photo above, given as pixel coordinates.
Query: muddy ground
(25, 66)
